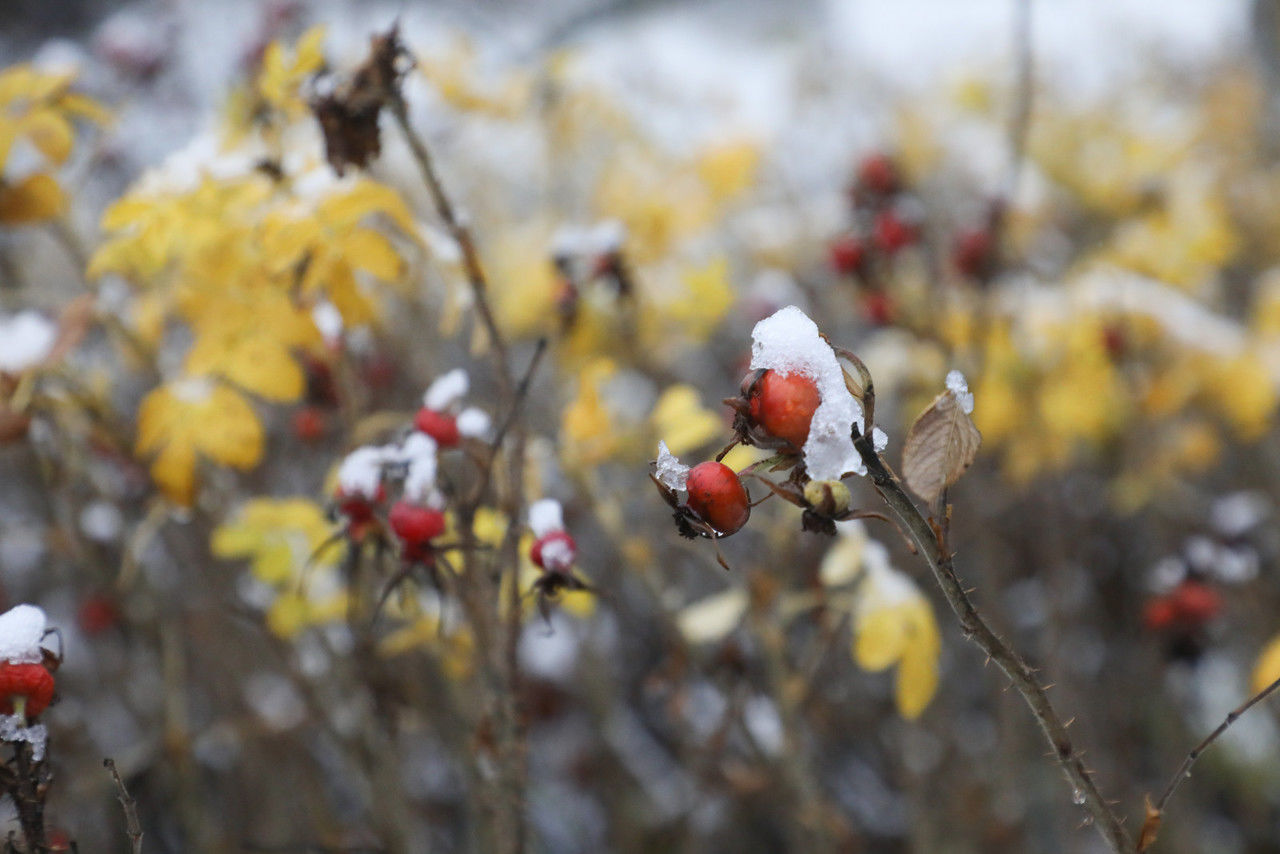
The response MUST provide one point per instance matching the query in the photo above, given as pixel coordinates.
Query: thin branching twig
(132, 826)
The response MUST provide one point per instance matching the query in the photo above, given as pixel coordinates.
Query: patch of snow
(446, 389)
(21, 630)
(545, 515)
(958, 386)
(474, 422)
(670, 472)
(26, 339)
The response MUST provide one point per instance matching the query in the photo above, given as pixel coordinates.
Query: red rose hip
(717, 496)
(783, 405)
(439, 426)
(26, 685)
(415, 524)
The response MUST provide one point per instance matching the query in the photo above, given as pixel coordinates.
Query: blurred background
(1076, 204)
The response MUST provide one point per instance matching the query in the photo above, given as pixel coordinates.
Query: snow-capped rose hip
(783, 405)
(717, 496)
(356, 507)
(25, 689)
(440, 426)
(554, 551)
(414, 524)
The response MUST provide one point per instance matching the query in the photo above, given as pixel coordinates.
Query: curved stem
(932, 544)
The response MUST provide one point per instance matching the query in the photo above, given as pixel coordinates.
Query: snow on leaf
(940, 445)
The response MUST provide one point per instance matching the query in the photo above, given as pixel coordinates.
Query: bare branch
(975, 628)
(132, 826)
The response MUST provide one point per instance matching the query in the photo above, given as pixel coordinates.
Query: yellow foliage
(39, 108)
(728, 169)
(1267, 668)
(184, 420)
(278, 536)
(681, 420)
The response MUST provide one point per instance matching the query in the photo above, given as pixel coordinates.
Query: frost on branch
(788, 342)
(942, 442)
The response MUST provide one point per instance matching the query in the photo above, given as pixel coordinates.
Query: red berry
(439, 426)
(97, 614)
(415, 524)
(783, 405)
(974, 253)
(717, 496)
(878, 174)
(893, 232)
(309, 424)
(847, 254)
(357, 508)
(1196, 603)
(555, 550)
(878, 308)
(1114, 340)
(1159, 614)
(31, 681)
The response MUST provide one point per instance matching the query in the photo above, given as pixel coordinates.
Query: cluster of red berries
(775, 411)
(887, 218)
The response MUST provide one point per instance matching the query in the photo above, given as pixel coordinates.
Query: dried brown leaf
(940, 445)
(1150, 826)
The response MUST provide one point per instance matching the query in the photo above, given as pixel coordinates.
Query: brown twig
(461, 235)
(935, 551)
(133, 827)
(1184, 770)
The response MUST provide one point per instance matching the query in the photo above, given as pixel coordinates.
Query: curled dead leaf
(940, 445)
(1150, 826)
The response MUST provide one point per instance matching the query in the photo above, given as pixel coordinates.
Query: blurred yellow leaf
(182, 420)
(682, 421)
(36, 198)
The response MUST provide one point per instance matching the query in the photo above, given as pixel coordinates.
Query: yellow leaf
(682, 421)
(368, 250)
(880, 639)
(917, 679)
(34, 199)
(50, 133)
(182, 419)
(252, 359)
(729, 169)
(1267, 668)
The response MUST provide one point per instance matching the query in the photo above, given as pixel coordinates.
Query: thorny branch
(935, 551)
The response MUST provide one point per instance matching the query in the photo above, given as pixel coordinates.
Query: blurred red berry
(415, 524)
(878, 308)
(97, 614)
(1196, 603)
(974, 253)
(555, 550)
(310, 424)
(1114, 340)
(717, 496)
(439, 426)
(31, 682)
(379, 371)
(358, 508)
(847, 254)
(892, 232)
(783, 405)
(878, 174)
(1159, 614)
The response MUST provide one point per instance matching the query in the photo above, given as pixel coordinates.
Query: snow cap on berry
(545, 516)
(473, 422)
(556, 552)
(418, 453)
(21, 630)
(361, 471)
(671, 473)
(446, 390)
(788, 342)
(25, 340)
(957, 385)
